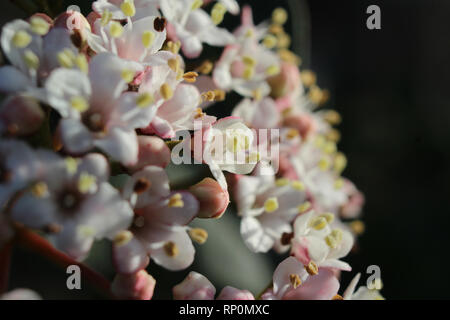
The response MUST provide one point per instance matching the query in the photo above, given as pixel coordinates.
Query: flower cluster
(91, 103)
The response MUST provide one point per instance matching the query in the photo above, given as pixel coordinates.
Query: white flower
(258, 114)
(316, 241)
(73, 203)
(96, 112)
(193, 26)
(267, 207)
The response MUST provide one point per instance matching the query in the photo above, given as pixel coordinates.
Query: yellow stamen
(166, 91)
(21, 39)
(320, 141)
(272, 70)
(333, 117)
(357, 227)
(106, 17)
(79, 103)
(176, 201)
(334, 135)
(190, 77)
(289, 56)
(206, 67)
(248, 73)
(148, 37)
(284, 40)
(249, 61)
(292, 134)
(298, 185)
(82, 63)
(309, 78)
(219, 95)
(86, 231)
(323, 164)
(337, 297)
(196, 5)
(144, 100)
(31, 60)
(198, 235)
(271, 205)
(340, 162)
(329, 147)
(318, 223)
(279, 16)
(171, 249)
(304, 207)
(174, 64)
(218, 13)
(39, 26)
(71, 165)
(173, 47)
(282, 182)
(328, 216)
(86, 182)
(115, 29)
(123, 237)
(312, 268)
(208, 96)
(295, 280)
(338, 184)
(39, 190)
(128, 75)
(66, 58)
(270, 41)
(128, 8)
(334, 238)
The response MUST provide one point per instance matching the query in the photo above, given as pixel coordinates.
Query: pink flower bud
(213, 199)
(153, 151)
(230, 293)
(137, 286)
(194, 287)
(20, 116)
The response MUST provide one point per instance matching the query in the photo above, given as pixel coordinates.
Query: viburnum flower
(268, 207)
(227, 145)
(160, 227)
(316, 244)
(138, 41)
(136, 286)
(96, 112)
(73, 202)
(197, 287)
(258, 114)
(292, 282)
(192, 26)
(124, 9)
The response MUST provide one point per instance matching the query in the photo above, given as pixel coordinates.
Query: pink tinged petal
(171, 260)
(309, 248)
(106, 212)
(153, 151)
(230, 293)
(150, 185)
(160, 127)
(281, 276)
(62, 86)
(213, 199)
(165, 214)
(12, 80)
(336, 264)
(75, 137)
(131, 115)
(192, 47)
(20, 115)
(194, 287)
(138, 286)
(254, 235)
(323, 286)
(130, 257)
(55, 42)
(121, 144)
(96, 165)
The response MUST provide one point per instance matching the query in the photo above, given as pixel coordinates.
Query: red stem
(5, 262)
(36, 243)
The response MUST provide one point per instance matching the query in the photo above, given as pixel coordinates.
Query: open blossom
(258, 114)
(192, 26)
(318, 244)
(197, 287)
(138, 41)
(96, 112)
(292, 282)
(227, 145)
(246, 65)
(267, 207)
(73, 202)
(160, 227)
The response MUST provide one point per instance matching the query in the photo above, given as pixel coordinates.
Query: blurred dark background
(391, 87)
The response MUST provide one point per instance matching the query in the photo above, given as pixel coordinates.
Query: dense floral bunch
(90, 98)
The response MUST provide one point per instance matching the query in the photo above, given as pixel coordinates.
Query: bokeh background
(392, 88)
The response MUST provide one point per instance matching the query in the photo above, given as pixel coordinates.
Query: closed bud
(194, 287)
(213, 199)
(153, 151)
(20, 116)
(136, 286)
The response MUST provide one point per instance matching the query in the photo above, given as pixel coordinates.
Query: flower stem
(5, 262)
(36, 243)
